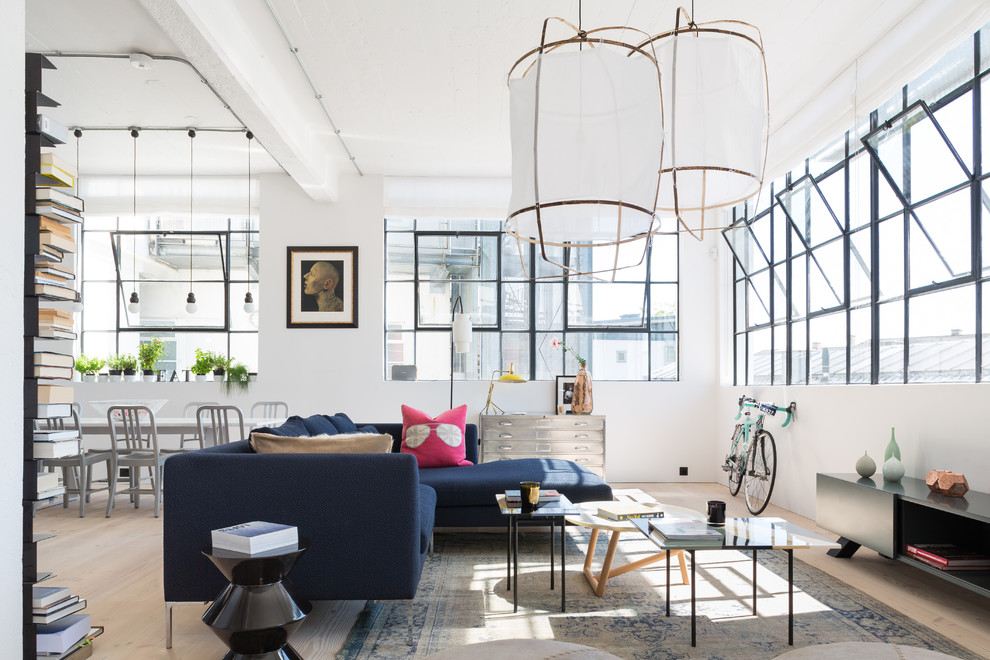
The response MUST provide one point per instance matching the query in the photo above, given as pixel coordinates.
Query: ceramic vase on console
(581, 403)
(866, 466)
(893, 469)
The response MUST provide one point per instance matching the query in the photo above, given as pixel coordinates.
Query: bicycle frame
(746, 439)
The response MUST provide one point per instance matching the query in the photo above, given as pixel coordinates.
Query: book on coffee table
(619, 511)
(694, 533)
(254, 537)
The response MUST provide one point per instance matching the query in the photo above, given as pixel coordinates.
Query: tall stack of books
(948, 557)
(689, 534)
(62, 633)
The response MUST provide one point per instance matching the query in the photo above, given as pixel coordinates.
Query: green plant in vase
(220, 364)
(115, 365)
(149, 353)
(128, 364)
(203, 364)
(238, 375)
(88, 367)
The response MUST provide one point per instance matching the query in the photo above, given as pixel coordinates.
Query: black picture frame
(313, 297)
(563, 394)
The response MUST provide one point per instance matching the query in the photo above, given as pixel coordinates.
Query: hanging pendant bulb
(134, 304)
(191, 298)
(249, 306)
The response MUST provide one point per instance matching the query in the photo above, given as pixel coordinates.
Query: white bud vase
(893, 469)
(866, 466)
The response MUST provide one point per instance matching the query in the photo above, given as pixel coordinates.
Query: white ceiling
(417, 88)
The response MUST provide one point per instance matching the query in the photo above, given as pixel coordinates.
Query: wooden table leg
(599, 581)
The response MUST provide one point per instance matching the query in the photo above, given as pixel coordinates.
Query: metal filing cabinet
(578, 438)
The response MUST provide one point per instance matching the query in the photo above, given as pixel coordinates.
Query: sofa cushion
(337, 443)
(319, 424)
(343, 423)
(477, 485)
(293, 426)
(434, 442)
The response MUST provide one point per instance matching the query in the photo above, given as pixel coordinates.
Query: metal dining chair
(214, 422)
(80, 467)
(189, 410)
(134, 445)
(270, 409)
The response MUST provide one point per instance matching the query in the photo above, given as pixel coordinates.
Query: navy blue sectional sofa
(369, 517)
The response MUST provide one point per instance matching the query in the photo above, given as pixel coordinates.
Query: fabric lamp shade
(715, 106)
(462, 333)
(587, 136)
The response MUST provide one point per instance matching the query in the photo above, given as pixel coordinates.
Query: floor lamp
(460, 338)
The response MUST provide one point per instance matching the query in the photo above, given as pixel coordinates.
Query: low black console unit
(886, 517)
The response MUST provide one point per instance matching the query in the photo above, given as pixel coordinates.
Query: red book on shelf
(947, 554)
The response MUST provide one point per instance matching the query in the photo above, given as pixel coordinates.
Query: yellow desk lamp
(509, 376)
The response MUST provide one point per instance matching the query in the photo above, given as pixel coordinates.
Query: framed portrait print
(322, 287)
(565, 394)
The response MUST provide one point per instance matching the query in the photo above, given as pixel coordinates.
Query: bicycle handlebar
(767, 408)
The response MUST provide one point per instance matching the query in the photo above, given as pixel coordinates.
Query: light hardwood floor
(116, 565)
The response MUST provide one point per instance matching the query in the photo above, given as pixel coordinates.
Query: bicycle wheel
(762, 472)
(733, 462)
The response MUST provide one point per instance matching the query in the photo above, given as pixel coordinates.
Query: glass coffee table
(549, 512)
(588, 518)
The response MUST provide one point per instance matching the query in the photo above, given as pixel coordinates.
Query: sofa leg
(168, 625)
(409, 618)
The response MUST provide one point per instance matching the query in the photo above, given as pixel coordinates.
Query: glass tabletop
(563, 507)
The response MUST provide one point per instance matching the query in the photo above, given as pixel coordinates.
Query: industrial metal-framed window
(869, 263)
(430, 262)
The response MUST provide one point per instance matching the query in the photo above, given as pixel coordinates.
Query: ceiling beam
(240, 50)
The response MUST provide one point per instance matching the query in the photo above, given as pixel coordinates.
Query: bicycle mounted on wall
(752, 453)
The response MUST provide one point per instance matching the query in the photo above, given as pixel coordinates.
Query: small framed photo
(321, 287)
(565, 394)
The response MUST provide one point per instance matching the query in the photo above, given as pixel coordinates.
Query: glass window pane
(780, 355)
(399, 224)
(892, 342)
(436, 299)
(799, 287)
(826, 277)
(740, 305)
(887, 201)
(761, 235)
(163, 304)
(891, 249)
(515, 306)
(243, 256)
(859, 191)
(943, 340)
(433, 355)
(399, 306)
(663, 356)
(779, 276)
(828, 349)
(186, 344)
(100, 306)
(953, 69)
(549, 267)
(984, 112)
(833, 153)
(457, 257)
(244, 349)
(98, 344)
(833, 190)
(601, 260)
(985, 217)
(98, 263)
(549, 361)
(940, 240)
(759, 298)
(956, 119)
(759, 357)
(487, 350)
(616, 356)
(400, 348)
(663, 258)
(859, 267)
(515, 350)
(799, 353)
(512, 263)
(239, 319)
(740, 373)
(860, 343)
(745, 248)
(986, 327)
(605, 304)
(549, 306)
(663, 307)
(984, 50)
(398, 256)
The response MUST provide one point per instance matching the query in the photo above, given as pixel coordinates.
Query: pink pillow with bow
(434, 442)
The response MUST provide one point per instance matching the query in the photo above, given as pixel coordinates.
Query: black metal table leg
(693, 637)
(668, 583)
(553, 521)
(563, 578)
(790, 597)
(508, 553)
(515, 566)
(754, 582)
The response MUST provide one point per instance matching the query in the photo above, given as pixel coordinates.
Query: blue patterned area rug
(463, 599)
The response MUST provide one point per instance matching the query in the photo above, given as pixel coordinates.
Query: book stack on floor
(255, 538)
(689, 534)
(61, 631)
(948, 557)
(513, 498)
(619, 511)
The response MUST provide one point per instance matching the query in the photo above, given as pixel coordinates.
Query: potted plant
(238, 375)
(89, 367)
(149, 353)
(128, 364)
(116, 368)
(220, 364)
(202, 365)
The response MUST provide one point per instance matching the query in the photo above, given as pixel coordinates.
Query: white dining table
(173, 425)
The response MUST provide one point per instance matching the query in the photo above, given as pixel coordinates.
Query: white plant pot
(89, 378)
(132, 378)
(150, 378)
(115, 378)
(201, 378)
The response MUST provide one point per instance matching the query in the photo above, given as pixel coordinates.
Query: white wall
(11, 298)
(652, 428)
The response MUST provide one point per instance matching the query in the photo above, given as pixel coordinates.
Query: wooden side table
(256, 614)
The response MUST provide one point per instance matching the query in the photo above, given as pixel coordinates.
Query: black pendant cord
(248, 298)
(191, 298)
(134, 296)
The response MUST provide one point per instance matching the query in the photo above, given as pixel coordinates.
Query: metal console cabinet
(578, 438)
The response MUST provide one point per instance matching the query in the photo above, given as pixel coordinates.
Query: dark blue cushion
(343, 423)
(294, 427)
(367, 429)
(319, 424)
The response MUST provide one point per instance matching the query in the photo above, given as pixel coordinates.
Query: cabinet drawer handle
(580, 448)
(505, 447)
(501, 423)
(580, 423)
(543, 447)
(505, 435)
(580, 435)
(580, 459)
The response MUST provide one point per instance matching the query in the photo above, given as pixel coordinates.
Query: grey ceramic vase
(866, 466)
(893, 469)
